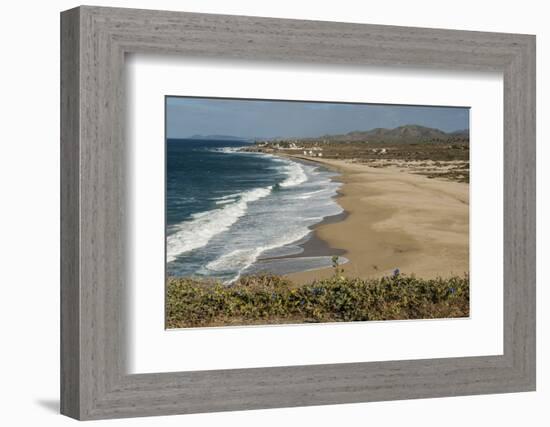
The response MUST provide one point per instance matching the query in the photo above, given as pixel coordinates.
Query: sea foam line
(294, 170)
(244, 258)
(296, 175)
(203, 226)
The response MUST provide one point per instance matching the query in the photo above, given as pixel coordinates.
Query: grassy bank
(447, 161)
(270, 299)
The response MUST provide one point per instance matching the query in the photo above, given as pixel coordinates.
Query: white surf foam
(203, 226)
(313, 193)
(296, 175)
(230, 150)
(243, 258)
(224, 202)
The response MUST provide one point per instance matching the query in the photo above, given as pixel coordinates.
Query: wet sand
(394, 219)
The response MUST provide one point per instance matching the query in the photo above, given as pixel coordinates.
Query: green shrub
(268, 299)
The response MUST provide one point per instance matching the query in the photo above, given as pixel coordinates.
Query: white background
(152, 349)
(29, 234)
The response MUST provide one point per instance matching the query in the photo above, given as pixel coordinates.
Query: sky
(186, 117)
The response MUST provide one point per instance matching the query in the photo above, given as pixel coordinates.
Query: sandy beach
(395, 219)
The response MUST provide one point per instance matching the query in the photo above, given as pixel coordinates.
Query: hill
(401, 134)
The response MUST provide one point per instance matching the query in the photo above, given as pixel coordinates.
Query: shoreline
(393, 220)
(312, 245)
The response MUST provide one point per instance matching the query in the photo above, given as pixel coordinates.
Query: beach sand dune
(396, 219)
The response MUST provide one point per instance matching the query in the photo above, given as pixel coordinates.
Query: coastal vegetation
(448, 161)
(270, 299)
(416, 149)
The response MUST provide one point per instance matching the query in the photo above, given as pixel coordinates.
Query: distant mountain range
(407, 133)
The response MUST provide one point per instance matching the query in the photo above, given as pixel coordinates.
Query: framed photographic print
(288, 227)
(262, 213)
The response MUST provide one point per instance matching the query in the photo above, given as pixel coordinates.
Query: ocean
(230, 213)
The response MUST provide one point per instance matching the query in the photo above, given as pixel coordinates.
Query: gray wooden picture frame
(94, 382)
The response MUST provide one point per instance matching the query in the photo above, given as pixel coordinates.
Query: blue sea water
(230, 213)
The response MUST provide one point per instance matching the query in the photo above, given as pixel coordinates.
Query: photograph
(282, 212)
